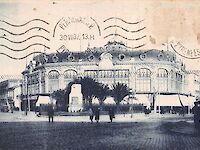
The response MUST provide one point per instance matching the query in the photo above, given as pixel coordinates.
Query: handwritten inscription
(69, 37)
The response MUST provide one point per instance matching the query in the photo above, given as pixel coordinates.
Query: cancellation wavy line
(15, 25)
(117, 26)
(20, 58)
(17, 42)
(39, 29)
(123, 20)
(19, 50)
(115, 34)
(139, 46)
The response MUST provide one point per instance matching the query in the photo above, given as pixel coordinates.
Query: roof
(118, 51)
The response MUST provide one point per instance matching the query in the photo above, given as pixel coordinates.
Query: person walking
(97, 114)
(91, 113)
(111, 114)
(50, 112)
(196, 112)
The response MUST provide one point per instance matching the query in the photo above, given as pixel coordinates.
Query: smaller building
(193, 84)
(10, 94)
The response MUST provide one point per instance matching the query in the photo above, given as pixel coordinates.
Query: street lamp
(26, 100)
(154, 100)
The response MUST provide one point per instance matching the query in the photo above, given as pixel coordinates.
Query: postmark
(76, 31)
(183, 51)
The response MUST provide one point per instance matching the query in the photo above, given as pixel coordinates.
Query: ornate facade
(144, 71)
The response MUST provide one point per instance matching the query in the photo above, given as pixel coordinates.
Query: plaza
(141, 132)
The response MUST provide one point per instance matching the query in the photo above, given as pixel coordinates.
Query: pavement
(139, 132)
(19, 116)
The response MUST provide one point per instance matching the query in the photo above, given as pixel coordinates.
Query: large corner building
(146, 72)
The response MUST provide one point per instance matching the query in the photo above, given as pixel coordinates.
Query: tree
(119, 91)
(102, 92)
(89, 88)
(61, 99)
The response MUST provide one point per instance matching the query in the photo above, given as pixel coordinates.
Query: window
(162, 80)
(91, 73)
(143, 82)
(53, 77)
(69, 75)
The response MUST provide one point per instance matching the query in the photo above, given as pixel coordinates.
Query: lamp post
(131, 96)
(26, 100)
(154, 100)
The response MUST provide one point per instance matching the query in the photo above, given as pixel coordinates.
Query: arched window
(69, 75)
(162, 73)
(53, 77)
(143, 81)
(162, 80)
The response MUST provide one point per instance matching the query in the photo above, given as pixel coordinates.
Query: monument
(75, 99)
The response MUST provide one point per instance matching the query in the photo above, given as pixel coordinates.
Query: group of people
(94, 113)
(49, 110)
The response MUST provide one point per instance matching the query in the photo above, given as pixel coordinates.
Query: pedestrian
(11, 108)
(37, 111)
(111, 114)
(196, 111)
(91, 113)
(50, 112)
(97, 113)
(182, 112)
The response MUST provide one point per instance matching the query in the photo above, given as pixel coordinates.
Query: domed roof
(118, 51)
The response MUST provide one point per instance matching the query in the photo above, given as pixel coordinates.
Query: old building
(10, 94)
(149, 73)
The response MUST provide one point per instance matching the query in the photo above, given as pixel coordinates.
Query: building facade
(145, 71)
(10, 93)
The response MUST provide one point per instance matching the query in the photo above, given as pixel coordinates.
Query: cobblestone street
(166, 132)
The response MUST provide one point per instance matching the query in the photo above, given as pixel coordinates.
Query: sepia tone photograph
(100, 75)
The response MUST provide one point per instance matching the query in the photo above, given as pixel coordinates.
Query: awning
(143, 99)
(138, 99)
(173, 100)
(109, 100)
(43, 100)
(95, 101)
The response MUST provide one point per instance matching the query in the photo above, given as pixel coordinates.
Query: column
(132, 78)
(61, 81)
(153, 87)
(40, 79)
(46, 83)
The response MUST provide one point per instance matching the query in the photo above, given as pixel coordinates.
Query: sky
(45, 26)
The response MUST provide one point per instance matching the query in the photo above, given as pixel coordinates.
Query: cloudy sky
(27, 27)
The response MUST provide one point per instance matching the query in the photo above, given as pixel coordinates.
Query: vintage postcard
(99, 74)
